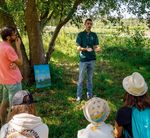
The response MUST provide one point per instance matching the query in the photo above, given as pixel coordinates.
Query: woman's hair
(140, 102)
(23, 108)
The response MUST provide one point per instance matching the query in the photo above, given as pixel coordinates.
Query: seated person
(22, 120)
(133, 119)
(96, 111)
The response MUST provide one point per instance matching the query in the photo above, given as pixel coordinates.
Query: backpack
(141, 123)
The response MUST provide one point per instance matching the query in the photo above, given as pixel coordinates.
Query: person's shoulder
(4, 45)
(8, 47)
(103, 125)
(103, 130)
(3, 130)
(93, 33)
(81, 33)
(125, 109)
(124, 112)
(88, 127)
(42, 130)
(83, 133)
(43, 127)
(4, 126)
(106, 126)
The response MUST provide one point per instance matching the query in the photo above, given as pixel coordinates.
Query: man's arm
(79, 48)
(19, 61)
(118, 130)
(96, 44)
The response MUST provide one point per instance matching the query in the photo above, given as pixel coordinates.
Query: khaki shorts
(8, 91)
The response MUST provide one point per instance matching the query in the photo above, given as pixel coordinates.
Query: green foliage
(138, 39)
(132, 56)
(56, 76)
(119, 58)
(53, 12)
(16, 10)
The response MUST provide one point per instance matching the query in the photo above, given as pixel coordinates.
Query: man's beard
(12, 40)
(89, 28)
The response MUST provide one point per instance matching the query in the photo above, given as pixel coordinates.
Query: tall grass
(120, 57)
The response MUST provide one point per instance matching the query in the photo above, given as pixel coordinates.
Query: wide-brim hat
(135, 84)
(96, 110)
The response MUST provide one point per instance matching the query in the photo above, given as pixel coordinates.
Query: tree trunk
(52, 43)
(37, 55)
(7, 20)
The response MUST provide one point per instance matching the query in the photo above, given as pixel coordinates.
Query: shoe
(89, 96)
(78, 99)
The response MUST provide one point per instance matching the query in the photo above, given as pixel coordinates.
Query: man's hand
(89, 49)
(97, 49)
(18, 42)
(13, 66)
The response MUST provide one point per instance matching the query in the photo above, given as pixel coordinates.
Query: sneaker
(78, 99)
(89, 96)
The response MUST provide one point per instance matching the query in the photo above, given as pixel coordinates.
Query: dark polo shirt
(85, 39)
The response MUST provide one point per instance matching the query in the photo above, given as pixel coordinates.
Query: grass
(119, 58)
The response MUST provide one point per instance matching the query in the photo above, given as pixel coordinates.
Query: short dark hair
(140, 102)
(7, 31)
(88, 19)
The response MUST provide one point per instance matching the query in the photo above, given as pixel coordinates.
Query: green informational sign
(42, 75)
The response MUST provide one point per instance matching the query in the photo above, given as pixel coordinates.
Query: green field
(120, 57)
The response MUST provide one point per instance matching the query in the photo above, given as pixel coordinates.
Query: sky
(123, 10)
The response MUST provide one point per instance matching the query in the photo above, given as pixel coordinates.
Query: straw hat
(96, 110)
(135, 84)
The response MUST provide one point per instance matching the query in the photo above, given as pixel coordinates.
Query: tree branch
(58, 28)
(50, 16)
(62, 8)
(45, 19)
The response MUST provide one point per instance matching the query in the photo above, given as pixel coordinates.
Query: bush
(56, 76)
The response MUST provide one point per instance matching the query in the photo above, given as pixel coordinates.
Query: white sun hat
(135, 84)
(96, 110)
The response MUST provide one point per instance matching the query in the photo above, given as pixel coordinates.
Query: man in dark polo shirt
(87, 45)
